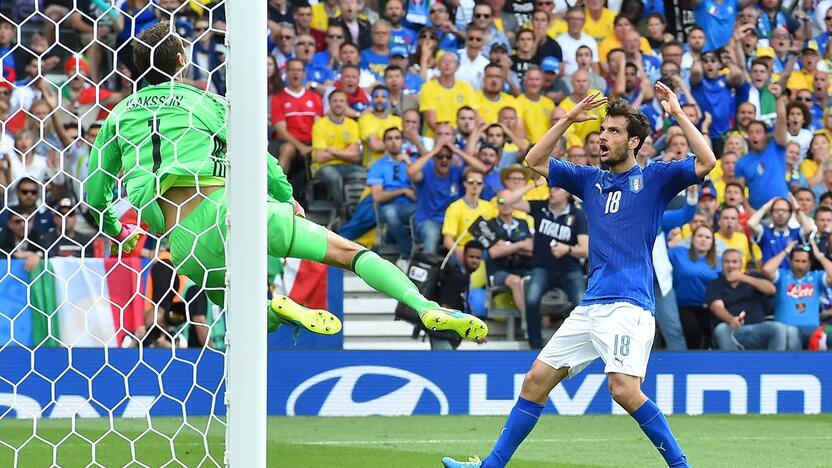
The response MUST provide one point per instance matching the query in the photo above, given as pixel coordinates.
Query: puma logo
(600, 189)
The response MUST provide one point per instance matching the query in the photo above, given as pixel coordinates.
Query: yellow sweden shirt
(328, 134)
(490, 110)
(536, 115)
(369, 124)
(320, 19)
(579, 131)
(602, 28)
(445, 101)
(459, 216)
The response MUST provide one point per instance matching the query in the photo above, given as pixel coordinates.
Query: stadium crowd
(430, 108)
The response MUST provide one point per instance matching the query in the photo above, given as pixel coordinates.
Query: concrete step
(369, 305)
(353, 283)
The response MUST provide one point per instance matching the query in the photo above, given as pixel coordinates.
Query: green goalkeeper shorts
(197, 243)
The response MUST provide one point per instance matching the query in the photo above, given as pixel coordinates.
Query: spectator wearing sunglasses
(21, 241)
(774, 238)
(799, 290)
(438, 182)
(25, 201)
(462, 213)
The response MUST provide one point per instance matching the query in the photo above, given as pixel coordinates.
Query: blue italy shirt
(623, 213)
(717, 20)
(434, 193)
(798, 299)
(391, 175)
(764, 174)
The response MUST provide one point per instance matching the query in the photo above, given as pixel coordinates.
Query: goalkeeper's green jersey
(165, 135)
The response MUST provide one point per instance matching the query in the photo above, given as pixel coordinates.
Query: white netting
(70, 393)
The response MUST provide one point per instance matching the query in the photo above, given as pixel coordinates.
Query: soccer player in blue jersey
(614, 321)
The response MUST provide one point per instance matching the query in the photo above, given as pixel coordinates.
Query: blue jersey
(797, 301)
(623, 213)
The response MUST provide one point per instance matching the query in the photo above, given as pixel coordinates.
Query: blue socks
(519, 424)
(651, 420)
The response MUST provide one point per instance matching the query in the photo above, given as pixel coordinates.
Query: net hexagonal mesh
(112, 356)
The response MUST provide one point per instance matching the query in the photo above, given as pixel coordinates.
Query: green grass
(562, 441)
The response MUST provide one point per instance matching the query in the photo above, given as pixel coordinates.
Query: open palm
(579, 113)
(668, 99)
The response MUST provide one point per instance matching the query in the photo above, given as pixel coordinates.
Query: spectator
(825, 185)
(424, 57)
(207, 59)
(799, 290)
(599, 20)
(317, 77)
(585, 61)
(823, 219)
(401, 99)
(303, 22)
(484, 19)
(773, 238)
(574, 38)
(21, 241)
(724, 174)
(508, 154)
(374, 123)
(25, 201)
(731, 234)
(561, 243)
(578, 132)
(820, 101)
(441, 98)
(693, 268)
(294, 111)
(63, 240)
(798, 118)
(353, 79)
(328, 58)
(817, 156)
(739, 300)
(763, 169)
(535, 110)
(394, 12)
(467, 133)
(492, 99)
(712, 90)
(446, 31)
(415, 144)
(285, 45)
(694, 49)
(377, 56)
(392, 192)
(463, 212)
(472, 62)
(357, 30)
(322, 12)
(412, 81)
(621, 26)
(489, 157)
(335, 151)
(509, 257)
(717, 18)
(633, 84)
(657, 35)
(174, 306)
(455, 282)
(525, 55)
(546, 45)
(438, 183)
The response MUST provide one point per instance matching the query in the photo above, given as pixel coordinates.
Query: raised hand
(579, 112)
(668, 99)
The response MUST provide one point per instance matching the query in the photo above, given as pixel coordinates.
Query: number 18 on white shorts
(621, 334)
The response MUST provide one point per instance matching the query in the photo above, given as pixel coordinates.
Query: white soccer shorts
(621, 334)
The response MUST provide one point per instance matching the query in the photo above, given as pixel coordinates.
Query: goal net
(107, 358)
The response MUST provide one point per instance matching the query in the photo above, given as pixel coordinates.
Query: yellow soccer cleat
(288, 311)
(467, 326)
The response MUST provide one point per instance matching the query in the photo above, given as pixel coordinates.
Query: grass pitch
(417, 441)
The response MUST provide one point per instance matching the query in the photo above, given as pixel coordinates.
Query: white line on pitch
(538, 440)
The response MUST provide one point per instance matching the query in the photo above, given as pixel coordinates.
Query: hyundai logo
(340, 401)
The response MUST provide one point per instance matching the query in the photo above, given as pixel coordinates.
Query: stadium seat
(499, 304)
(354, 187)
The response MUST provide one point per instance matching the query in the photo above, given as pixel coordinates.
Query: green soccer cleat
(473, 462)
(467, 326)
(288, 311)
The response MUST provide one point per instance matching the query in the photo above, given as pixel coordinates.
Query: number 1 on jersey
(156, 140)
(613, 202)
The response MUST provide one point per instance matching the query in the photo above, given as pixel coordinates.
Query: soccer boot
(473, 462)
(467, 326)
(285, 310)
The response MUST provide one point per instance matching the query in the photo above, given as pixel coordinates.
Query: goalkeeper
(169, 141)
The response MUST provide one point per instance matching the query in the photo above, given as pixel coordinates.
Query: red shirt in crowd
(298, 110)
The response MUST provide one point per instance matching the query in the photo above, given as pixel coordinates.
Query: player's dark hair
(638, 126)
(156, 50)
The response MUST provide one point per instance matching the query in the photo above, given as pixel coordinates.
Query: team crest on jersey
(636, 183)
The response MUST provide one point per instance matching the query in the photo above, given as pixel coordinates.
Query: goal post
(246, 255)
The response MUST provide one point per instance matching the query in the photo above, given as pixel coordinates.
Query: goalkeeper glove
(126, 239)
(299, 211)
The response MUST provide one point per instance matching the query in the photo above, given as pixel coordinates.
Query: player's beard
(616, 154)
